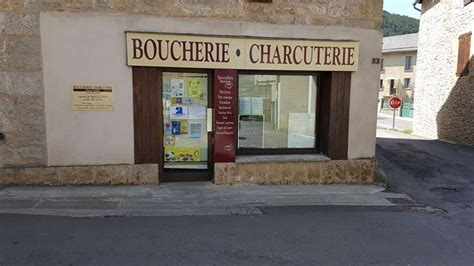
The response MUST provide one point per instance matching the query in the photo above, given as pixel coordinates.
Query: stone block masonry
(21, 88)
(318, 172)
(140, 174)
(22, 119)
(444, 106)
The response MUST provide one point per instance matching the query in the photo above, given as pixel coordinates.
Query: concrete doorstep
(179, 199)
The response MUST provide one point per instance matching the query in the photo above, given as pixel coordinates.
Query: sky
(402, 7)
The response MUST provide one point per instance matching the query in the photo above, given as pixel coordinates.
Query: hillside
(394, 24)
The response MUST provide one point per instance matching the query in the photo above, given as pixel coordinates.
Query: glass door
(185, 136)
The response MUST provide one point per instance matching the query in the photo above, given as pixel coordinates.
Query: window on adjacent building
(381, 84)
(406, 83)
(408, 63)
(382, 65)
(464, 54)
(393, 90)
(276, 112)
(466, 2)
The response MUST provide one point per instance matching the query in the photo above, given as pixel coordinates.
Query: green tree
(394, 24)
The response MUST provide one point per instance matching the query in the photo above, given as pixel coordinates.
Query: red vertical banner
(225, 113)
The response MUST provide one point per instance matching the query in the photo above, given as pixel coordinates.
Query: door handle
(209, 119)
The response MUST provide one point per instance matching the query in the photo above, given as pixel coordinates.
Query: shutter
(466, 2)
(464, 54)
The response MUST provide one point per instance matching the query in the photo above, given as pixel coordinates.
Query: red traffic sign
(394, 102)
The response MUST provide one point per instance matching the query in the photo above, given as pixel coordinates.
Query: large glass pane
(185, 138)
(277, 111)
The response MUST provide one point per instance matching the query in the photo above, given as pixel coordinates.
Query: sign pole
(393, 127)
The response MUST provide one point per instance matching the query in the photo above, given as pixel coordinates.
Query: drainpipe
(417, 2)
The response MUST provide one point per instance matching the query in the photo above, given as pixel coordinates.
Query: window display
(277, 111)
(185, 102)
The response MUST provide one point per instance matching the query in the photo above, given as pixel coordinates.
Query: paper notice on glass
(245, 105)
(178, 112)
(175, 127)
(177, 88)
(182, 154)
(197, 112)
(257, 105)
(184, 127)
(195, 130)
(169, 140)
(167, 128)
(194, 88)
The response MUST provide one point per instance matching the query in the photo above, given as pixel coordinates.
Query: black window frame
(405, 84)
(393, 89)
(284, 151)
(408, 63)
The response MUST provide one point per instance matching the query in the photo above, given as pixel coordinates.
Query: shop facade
(133, 99)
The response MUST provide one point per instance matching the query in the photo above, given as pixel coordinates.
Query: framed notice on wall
(92, 97)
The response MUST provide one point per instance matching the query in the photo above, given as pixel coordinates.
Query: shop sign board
(212, 52)
(92, 97)
(225, 111)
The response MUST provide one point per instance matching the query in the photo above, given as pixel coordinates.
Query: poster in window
(167, 128)
(182, 154)
(177, 88)
(183, 127)
(195, 130)
(169, 140)
(175, 127)
(197, 112)
(194, 88)
(178, 112)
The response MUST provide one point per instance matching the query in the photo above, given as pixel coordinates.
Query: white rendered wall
(440, 28)
(90, 48)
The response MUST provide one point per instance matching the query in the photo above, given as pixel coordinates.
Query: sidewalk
(401, 123)
(177, 199)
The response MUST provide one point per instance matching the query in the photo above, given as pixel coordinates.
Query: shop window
(464, 53)
(409, 63)
(406, 83)
(277, 113)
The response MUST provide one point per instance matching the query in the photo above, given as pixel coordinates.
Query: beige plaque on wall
(92, 97)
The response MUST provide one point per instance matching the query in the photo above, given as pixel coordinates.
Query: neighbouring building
(397, 72)
(444, 106)
(142, 92)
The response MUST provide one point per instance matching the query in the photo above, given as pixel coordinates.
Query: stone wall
(318, 172)
(140, 174)
(21, 89)
(444, 107)
(22, 119)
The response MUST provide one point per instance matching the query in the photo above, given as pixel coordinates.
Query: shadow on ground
(433, 172)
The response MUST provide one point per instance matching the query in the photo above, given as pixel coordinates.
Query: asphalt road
(330, 237)
(435, 173)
